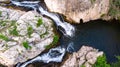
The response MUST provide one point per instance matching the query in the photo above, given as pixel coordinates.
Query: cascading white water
(67, 29)
(55, 54)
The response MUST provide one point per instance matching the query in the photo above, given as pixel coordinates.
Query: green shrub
(29, 31)
(39, 22)
(101, 62)
(55, 41)
(3, 37)
(14, 31)
(26, 45)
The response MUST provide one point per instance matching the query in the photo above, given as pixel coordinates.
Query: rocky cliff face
(23, 35)
(74, 10)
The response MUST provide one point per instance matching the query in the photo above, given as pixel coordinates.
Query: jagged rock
(4, 0)
(85, 56)
(74, 10)
(10, 14)
(12, 49)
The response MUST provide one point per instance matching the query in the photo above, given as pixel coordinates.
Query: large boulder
(74, 10)
(23, 35)
(86, 56)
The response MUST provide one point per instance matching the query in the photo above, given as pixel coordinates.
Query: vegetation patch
(29, 31)
(3, 37)
(2, 22)
(114, 10)
(14, 31)
(101, 62)
(26, 45)
(55, 41)
(39, 22)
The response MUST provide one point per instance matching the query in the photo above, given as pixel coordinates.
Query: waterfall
(54, 54)
(64, 27)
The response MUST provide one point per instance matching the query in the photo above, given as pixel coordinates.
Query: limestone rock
(16, 32)
(85, 56)
(74, 10)
(4, 0)
(10, 14)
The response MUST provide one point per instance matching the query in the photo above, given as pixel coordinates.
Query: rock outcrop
(23, 35)
(74, 10)
(85, 56)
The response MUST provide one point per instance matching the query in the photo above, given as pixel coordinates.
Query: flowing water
(99, 34)
(54, 54)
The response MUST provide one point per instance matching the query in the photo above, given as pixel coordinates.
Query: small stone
(10, 43)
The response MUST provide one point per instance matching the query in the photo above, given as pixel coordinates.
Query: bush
(101, 62)
(55, 41)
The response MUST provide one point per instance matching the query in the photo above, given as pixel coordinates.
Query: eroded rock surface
(85, 56)
(23, 38)
(74, 10)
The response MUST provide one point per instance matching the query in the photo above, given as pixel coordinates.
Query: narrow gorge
(74, 37)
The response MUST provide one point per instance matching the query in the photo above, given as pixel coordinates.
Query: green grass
(101, 62)
(55, 41)
(14, 31)
(3, 37)
(39, 22)
(29, 31)
(26, 45)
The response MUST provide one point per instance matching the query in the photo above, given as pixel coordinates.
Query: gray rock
(13, 51)
(74, 10)
(85, 56)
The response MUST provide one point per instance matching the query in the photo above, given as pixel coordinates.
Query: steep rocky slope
(23, 35)
(74, 10)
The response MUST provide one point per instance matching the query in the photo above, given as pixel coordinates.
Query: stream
(100, 34)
